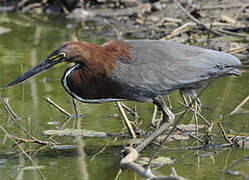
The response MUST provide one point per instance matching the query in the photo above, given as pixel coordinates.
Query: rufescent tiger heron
(137, 70)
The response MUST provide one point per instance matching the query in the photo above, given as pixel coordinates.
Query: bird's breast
(88, 87)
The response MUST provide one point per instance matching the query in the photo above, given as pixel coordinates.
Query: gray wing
(158, 67)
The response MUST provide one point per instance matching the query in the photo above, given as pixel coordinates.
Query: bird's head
(66, 53)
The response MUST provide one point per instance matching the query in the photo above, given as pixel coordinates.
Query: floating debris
(77, 132)
(156, 163)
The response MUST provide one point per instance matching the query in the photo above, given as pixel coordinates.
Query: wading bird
(137, 70)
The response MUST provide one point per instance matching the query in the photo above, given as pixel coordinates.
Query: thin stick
(224, 133)
(127, 122)
(118, 174)
(223, 31)
(237, 50)
(62, 125)
(190, 135)
(239, 106)
(204, 119)
(57, 107)
(134, 113)
(23, 140)
(99, 152)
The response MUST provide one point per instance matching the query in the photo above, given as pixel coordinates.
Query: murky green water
(30, 40)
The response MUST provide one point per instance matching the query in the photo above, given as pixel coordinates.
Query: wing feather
(158, 67)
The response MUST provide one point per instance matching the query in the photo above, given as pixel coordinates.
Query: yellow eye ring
(58, 56)
(62, 55)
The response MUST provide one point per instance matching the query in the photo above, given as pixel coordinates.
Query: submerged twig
(23, 151)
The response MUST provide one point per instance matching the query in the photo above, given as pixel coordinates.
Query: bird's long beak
(43, 66)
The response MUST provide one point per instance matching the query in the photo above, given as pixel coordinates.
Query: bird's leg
(169, 102)
(183, 97)
(196, 118)
(167, 114)
(168, 118)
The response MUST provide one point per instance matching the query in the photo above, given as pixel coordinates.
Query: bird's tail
(233, 70)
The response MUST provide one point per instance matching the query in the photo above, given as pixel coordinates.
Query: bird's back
(158, 67)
